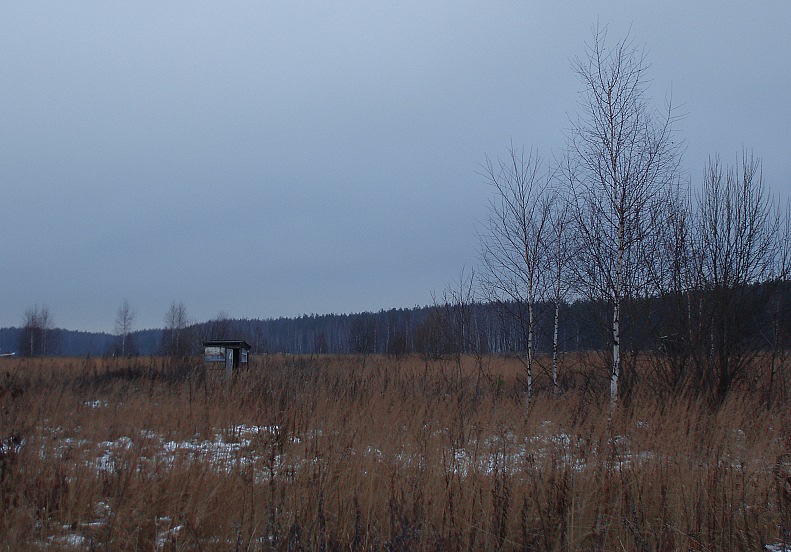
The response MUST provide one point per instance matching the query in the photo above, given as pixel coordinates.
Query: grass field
(371, 453)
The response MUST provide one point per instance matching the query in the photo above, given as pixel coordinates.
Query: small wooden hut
(232, 353)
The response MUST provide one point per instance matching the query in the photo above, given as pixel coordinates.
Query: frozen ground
(269, 451)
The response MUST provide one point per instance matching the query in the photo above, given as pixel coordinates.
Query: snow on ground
(269, 451)
(70, 540)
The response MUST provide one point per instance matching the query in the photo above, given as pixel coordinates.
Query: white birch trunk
(558, 287)
(616, 317)
(555, 348)
(616, 354)
(529, 347)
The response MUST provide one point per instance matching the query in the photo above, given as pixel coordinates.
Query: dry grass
(369, 453)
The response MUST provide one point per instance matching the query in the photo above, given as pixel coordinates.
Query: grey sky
(331, 147)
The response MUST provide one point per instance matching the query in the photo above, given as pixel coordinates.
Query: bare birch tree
(513, 242)
(559, 251)
(738, 243)
(676, 285)
(460, 310)
(45, 321)
(625, 157)
(177, 339)
(35, 338)
(124, 319)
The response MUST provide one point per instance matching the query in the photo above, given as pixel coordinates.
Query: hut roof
(229, 343)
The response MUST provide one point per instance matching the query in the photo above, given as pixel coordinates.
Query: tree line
(432, 332)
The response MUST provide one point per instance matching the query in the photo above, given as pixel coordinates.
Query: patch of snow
(170, 534)
(73, 540)
(11, 445)
(95, 403)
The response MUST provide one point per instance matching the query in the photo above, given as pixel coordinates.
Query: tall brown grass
(370, 453)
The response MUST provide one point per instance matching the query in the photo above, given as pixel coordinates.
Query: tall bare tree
(676, 285)
(35, 337)
(45, 324)
(559, 252)
(513, 243)
(124, 318)
(738, 243)
(178, 342)
(464, 334)
(625, 158)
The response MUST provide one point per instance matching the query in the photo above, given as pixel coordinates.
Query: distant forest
(424, 330)
(433, 331)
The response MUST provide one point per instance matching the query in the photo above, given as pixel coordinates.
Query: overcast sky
(272, 159)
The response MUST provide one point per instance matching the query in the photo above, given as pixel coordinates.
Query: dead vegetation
(370, 453)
